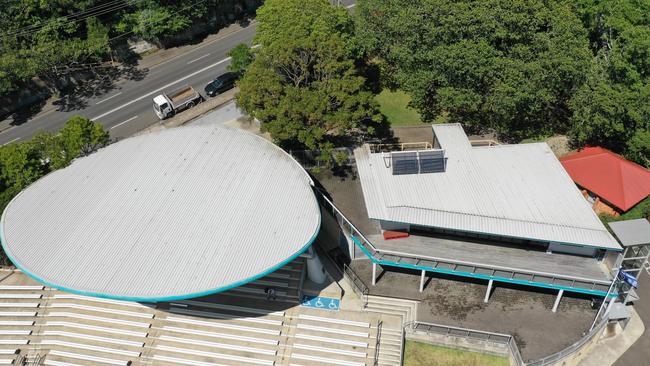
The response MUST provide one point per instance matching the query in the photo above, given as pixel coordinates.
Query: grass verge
(394, 105)
(423, 354)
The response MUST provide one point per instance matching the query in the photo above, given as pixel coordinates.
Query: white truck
(166, 105)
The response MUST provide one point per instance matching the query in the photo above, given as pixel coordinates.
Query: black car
(221, 84)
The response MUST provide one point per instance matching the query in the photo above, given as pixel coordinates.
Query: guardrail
(505, 339)
(561, 355)
(467, 269)
(377, 341)
(404, 146)
(359, 287)
(478, 143)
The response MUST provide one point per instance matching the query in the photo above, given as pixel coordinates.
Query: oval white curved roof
(174, 214)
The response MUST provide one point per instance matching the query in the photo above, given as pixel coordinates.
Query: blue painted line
(163, 298)
(477, 275)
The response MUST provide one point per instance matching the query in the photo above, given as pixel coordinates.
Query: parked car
(221, 84)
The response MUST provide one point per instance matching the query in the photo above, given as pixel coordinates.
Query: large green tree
(49, 39)
(511, 65)
(612, 109)
(304, 84)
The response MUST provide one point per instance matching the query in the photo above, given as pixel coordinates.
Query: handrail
(401, 146)
(377, 341)
(375, 252)
(484, 142)
(506, 339)
(491, 266)
(348, 221)
(358, 285)
(560, 355)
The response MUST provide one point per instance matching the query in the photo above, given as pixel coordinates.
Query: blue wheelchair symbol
(324, 303)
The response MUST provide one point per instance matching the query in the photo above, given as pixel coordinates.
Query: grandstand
(160, 249)
(67, 330)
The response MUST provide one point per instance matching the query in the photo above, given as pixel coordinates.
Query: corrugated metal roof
(632, 232)
(166, 215)
(510, 190)
(620, 182)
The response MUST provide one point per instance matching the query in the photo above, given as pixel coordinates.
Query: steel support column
(557, 300)
(422, 281)
(374, 273)
(487, 292)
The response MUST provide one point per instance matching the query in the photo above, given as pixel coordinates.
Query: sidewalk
(147, 62)
(608, 350)
(163, 55)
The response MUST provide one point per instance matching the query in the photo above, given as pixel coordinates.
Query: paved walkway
(639, 353)
(609, 349)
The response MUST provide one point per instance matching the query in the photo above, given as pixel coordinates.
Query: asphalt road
(127, 108)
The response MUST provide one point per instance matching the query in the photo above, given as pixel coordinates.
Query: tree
(23, 163)
(80, 136)
(241, 56)
(303, 84)
(611, 109)
(508, 65)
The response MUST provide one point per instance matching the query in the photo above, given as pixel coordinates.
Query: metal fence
(359, 287)
(561, 355)
(505, 339)
(377, 342)
(405, 146)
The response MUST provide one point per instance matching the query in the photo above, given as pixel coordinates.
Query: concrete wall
(571, 249)
(396, 226)
(474, 345)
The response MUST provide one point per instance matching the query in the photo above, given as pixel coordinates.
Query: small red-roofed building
(610, 182)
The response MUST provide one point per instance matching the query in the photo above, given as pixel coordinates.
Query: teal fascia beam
(478, 275)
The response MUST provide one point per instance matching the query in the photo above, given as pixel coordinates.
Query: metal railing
(476, 270)
(359, 287)
(404, 146)
(505, 339)
(478, 143)
(561, 355)
(377, 342)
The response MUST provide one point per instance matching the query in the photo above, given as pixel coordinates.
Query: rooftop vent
(417, 162)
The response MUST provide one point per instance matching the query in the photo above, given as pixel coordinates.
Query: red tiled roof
(608, 175)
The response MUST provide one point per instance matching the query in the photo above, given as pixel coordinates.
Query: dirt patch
(559, 145)
(523, 312)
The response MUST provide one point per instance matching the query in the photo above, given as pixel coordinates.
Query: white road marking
(111, 97)
(121, 123)
(161, 88)
(350, 6)
(198, 58)
(14, 140)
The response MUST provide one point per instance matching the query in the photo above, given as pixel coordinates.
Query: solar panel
(417, 162)
(404, 162)
(432, 161)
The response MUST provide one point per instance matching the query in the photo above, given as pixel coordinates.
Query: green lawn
(394, 105)
(422, 354)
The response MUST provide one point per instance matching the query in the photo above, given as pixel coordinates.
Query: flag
(628, 278)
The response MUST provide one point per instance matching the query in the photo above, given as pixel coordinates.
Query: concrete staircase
(236, 328)
(286, 282)
(407, 309)
(390, 347)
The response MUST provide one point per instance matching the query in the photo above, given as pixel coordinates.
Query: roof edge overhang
(146, 299)
(502, 235)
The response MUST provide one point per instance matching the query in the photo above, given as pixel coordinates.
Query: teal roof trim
(478, 275)
(165, 298)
